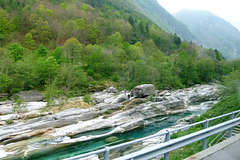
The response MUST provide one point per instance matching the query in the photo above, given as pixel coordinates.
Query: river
(69, 137)
(153, 126)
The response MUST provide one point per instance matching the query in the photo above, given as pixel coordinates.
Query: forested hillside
(163, 19)
(212, 31)
(77, 46)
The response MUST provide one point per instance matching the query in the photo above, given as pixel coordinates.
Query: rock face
(143, 90)
(121, 98)
(112, 90)
(30, 96)
(110, 114)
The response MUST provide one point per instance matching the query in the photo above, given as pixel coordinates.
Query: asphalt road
(226, 150)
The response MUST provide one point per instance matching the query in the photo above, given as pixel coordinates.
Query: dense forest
(76, 46)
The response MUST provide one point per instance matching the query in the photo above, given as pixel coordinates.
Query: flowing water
(68, 151)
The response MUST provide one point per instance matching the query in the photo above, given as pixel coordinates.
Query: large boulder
(143, 90)
(30, 96)
(121, 98)
(111, 90)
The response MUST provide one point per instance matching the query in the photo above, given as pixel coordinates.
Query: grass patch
(9, 121)
(75, 104)
(3, 99)
(109, 111)
(87, 98)
(227, 105)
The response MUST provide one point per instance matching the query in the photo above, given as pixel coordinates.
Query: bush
(19, 107)
(9, 121)
(87, 98)
(51, 91)
(109, 111)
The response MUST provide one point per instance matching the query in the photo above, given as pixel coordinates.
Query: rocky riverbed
(115, 111)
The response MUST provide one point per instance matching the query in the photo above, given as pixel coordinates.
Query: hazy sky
(227, 9)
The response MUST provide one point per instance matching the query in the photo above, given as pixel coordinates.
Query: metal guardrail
(170, 145)
(223, 133)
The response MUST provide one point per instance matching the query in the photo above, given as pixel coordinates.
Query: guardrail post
(204, 143)
(106, 153)
(167, 138)
(230, 129)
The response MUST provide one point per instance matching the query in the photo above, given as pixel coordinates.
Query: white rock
(31, 106)
(81, 127)
(93, 157)
(143, 90)
(4, 153)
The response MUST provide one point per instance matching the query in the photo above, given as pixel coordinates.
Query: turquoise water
(83, 147)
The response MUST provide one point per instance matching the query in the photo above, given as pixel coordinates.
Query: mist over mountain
(212, 31)
(155, 12)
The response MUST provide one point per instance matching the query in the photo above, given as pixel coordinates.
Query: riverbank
(113, 112)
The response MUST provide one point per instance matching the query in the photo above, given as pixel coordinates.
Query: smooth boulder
(30, 96)
(143, 90)
(111, 90)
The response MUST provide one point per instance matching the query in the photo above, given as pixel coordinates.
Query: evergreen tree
(218, 55)
(177, 40)
(130, 20)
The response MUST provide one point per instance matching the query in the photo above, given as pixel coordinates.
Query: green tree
(29, 42)
(130, 20)
(100, 65)
(93, 33)
(58, 55)
(84, 7)
(177, 40)
(43, 11)
(41, 31)
(5, 83)
(17, 51)
(25, 73)
(63, 5)
(72, 48)
(4, 24)
(6, 62)
(115, 39)
(218, 55)
(47, 70)
(51, 91)
(185, 67)
(124, 27)
(72, 77)
(70, 29)
(51, 68)
(42, 51)
(205, 70)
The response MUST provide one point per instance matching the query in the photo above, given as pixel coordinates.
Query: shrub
(9, 121)
(87, 98)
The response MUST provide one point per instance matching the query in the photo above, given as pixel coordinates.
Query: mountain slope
(212, 31)
(80, 46)
(162, 18)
